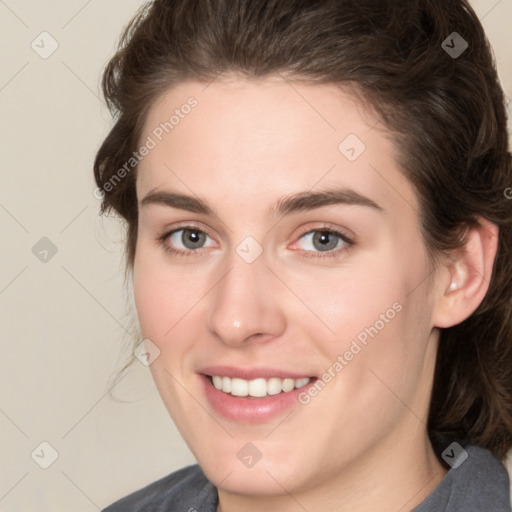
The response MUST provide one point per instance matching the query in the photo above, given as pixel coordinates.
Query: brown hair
(445, 111)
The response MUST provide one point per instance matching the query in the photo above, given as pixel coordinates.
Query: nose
(244, 306)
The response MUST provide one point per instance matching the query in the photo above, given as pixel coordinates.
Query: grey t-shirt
(479, 484)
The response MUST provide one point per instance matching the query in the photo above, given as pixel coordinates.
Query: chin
(262, 479)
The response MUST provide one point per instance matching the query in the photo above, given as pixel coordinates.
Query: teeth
(299, 383)
(257, 387)
(226, 384)
(288, 385)
(217, 382)
(239, 387)
(274, 386)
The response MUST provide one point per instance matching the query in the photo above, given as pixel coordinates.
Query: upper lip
(251, 373)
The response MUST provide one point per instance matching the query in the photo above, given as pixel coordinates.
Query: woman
(320, 246)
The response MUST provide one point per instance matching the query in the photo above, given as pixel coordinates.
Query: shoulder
(476, 481)
(481, 480)
(185, 489)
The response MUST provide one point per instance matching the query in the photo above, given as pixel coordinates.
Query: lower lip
(251, 409)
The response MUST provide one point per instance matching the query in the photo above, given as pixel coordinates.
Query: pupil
(325, 240)
(192, 239)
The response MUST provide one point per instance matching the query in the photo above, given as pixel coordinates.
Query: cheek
(161, 293)
(379, 312)
(354, 301)
(150, 299)
(155, 298)
(165, 304)
(171, 311)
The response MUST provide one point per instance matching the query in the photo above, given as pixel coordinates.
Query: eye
(324, 241)
(185, 240)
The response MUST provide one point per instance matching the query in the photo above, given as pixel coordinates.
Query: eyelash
(349, 243)
(335, 253)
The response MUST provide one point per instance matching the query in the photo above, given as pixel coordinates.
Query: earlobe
(467, 277)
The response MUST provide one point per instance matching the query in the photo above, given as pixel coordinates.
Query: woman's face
(300, 257)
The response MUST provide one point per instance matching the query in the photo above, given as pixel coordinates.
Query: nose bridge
(243, 303)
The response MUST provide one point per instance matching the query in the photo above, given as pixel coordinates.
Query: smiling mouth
(256, 388)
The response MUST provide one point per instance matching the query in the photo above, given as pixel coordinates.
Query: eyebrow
(299, 202)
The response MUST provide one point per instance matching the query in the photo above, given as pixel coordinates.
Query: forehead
(259, 138)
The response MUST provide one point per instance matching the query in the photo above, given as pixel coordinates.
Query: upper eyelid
(347, 238)
(188, 225)
(173, 231)
(327, 228)
(305, 231)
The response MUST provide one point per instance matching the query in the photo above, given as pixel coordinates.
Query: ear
(465, 279)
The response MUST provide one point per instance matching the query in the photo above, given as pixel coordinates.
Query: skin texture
(361, 443)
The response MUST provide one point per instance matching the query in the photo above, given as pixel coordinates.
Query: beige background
(64, 321)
